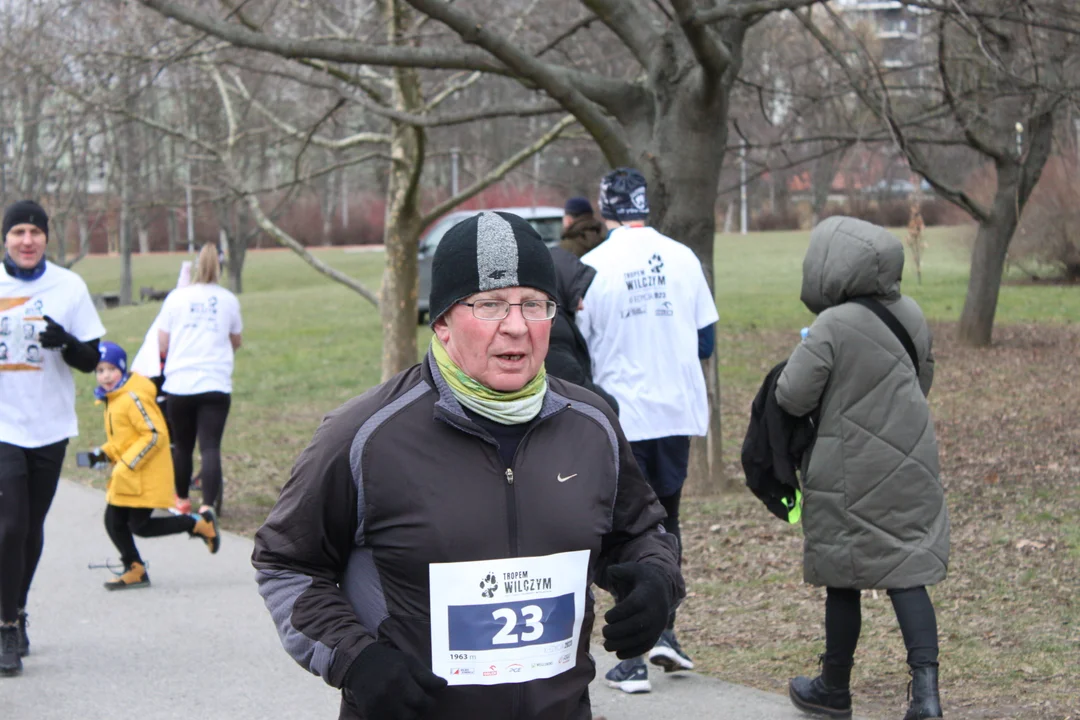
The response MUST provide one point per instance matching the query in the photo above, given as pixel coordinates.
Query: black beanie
(29, 212)
(489, 251)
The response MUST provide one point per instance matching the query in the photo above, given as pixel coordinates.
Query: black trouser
(664, 463)
(28, 480)
(914, 611)
(123, 522)
(199, 417)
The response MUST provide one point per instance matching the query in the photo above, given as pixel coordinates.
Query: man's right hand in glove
(387, 684)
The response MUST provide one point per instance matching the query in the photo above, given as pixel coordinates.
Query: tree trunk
(1016, 179)
(683, 159)
(397, 304)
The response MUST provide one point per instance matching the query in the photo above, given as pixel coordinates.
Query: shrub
(786, 218)
(1048, 238)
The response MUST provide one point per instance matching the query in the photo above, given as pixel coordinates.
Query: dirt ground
(1008, 424)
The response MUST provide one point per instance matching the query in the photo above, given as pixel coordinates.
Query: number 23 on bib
(507, 621)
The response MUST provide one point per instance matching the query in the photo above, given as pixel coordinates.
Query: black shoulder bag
(895, 325)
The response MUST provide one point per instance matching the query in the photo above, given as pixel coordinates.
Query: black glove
(387, 684)
(641, 612)
(98, 457)
(55, 336)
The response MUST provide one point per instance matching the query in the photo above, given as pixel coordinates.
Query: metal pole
(742, 187)
(454, 153)
(190, 215)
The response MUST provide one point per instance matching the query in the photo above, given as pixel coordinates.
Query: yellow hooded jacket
(138, 442)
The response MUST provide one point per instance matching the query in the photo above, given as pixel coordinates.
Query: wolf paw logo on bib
(527, 613)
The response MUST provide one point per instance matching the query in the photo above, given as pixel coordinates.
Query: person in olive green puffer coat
(874, 513)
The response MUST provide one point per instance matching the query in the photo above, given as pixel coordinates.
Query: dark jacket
(400, 478)
(874, 512)
(568, 354)
(583, 235)
(773, 449)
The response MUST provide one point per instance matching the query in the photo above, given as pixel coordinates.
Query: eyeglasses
(533, 310)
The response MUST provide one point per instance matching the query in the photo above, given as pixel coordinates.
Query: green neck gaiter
(505, 408)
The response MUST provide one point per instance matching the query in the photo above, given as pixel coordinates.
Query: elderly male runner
(432, 552)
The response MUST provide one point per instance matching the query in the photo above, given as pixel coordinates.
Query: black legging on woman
(123, 522)
(914, 611)
(28, 480)
(198, 417)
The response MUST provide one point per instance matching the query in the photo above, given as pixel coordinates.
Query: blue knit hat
(113, 354)
(623, 197)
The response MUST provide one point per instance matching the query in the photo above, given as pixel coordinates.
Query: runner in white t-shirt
(648, 319)
(199, 334)
(48, 325)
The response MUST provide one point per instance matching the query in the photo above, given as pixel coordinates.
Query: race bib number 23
(507, 621)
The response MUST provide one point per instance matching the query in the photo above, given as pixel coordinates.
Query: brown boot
(135, 577)
(206, 527)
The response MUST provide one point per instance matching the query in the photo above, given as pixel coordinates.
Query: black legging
(28, 480)
(914, 611)
(123, 522)
(199, 417)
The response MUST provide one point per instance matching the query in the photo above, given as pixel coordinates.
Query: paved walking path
(199, 643)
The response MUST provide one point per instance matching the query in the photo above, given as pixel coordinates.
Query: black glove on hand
(387, 684)
(641, 613)
(54, 335)
(98, 457)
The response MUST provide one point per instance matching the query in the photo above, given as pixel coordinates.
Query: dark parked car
(546, 220)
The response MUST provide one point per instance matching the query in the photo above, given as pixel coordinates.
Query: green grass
(758, 278)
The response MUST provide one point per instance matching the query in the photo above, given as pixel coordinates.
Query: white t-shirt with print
(199, 319)
(37, 389)
(640, 319)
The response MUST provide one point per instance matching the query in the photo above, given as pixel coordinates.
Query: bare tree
(1002, 72)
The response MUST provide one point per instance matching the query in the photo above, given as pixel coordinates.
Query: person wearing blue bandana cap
(49, 326)
(142, 472)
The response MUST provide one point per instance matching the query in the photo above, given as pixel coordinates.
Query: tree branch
(583, 23)
(608, 135)
(330, 49)
(881, 107)
(630, 24)
(499, 172)
(711, 53)
(283, 238)
(733, 10)
(954, 105)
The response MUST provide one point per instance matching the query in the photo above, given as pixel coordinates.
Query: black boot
(923, 689)
(827, 695)
(10, 662)
(24, 639)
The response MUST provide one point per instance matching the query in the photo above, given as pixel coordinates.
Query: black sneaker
(668, 654)
(630, 676)
(24, 639)
(10, 662)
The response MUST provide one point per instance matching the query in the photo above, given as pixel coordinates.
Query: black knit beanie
(489, 251)
(26, 211)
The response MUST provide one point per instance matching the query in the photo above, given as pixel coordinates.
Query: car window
(550, 228)
(431, 240)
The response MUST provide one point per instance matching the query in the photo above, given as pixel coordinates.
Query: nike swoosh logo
(564, 479)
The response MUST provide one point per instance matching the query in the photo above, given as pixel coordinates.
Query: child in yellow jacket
(142, 475)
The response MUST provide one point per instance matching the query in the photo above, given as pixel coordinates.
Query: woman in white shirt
(200, 332)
